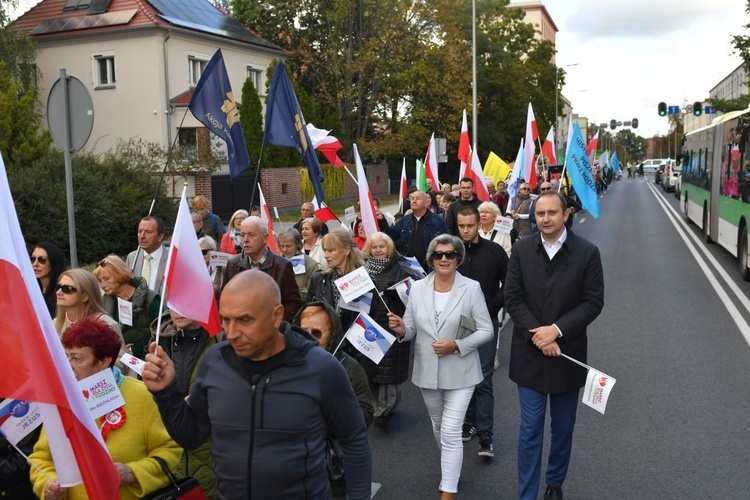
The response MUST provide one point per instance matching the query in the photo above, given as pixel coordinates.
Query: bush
(111, 193)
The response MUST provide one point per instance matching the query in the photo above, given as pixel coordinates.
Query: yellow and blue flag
(285, 126)
(214, 106)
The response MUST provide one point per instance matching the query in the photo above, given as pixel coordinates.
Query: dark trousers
(531, 438)
(481, 411)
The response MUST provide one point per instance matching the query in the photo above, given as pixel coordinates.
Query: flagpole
(350, 175)
(257, 172)
(25, 456)
(577, 362)
(161, 180)
(380, 294)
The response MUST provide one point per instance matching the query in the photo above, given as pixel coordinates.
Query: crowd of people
(279, 404)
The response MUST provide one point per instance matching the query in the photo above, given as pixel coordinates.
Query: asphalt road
(677, 424)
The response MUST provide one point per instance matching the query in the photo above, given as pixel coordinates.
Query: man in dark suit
(256, 255)
(150, 260)
(554, 289)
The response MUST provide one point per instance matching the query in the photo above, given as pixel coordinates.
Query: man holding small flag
(553, 290)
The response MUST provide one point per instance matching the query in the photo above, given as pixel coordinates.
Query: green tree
(251, 120)
(112, 193)
(20, 139)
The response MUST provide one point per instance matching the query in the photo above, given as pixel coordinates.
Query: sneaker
(485, 447)
(468, 432)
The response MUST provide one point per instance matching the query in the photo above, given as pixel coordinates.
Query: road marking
(374, 487)
(695, 245)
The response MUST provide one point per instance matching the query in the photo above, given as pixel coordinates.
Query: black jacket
(487, 263)
(394, 367)
(567, 291)
(269, 431)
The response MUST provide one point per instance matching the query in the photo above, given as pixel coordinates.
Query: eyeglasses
(524, 189)
(544, 189)
(41, 259)
(318, 333)
(205, 251)
(451, 255)
(66, 289)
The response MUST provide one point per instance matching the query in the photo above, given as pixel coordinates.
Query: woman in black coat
(386, 267)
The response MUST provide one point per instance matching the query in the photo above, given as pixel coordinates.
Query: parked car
(678, 185)
(658, 174)
(669, 176)
(652, 164)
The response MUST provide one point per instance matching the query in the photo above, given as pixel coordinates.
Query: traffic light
(634, 123)
(613, 124)
(697, 108)
(662, 109)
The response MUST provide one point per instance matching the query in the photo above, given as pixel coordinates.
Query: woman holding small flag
(342, 257)
(447, 317)
(133, 433)
(387, 268)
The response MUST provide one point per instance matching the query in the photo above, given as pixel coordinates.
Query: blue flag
(285, 126)
(615, 163)
(578, 165)
(214, 106)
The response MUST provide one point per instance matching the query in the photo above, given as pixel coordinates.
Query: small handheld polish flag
(369, 338)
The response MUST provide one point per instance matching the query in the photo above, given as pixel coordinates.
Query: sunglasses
(448, 255)
(524, 189)
(205, 251)
(41, 259)
(545, 189)
(318, 333)
(66, 289)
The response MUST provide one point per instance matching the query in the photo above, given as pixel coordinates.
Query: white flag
(597, 389)
(369, 338)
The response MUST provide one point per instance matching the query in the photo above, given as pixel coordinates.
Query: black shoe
(553, 493)
(485, 447)
(381, 421)
(468, 432)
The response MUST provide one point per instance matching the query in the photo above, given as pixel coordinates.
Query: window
(284, 188)
(104, 71)
(196, 66)
(71, 5)
(187, 137)
(256, 76)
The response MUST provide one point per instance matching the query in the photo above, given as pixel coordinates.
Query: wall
(281, 186)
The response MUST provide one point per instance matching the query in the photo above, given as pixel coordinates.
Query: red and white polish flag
(326, 144)
(431, 165)
(532, 134)
(366, 204)
(265, 216)
(191, 293)
(36, 369)
(403, 188)
(470, 166)
(548, 148)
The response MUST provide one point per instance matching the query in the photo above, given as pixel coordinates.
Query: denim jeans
(447, 408)
(481, 411)
(531, 438)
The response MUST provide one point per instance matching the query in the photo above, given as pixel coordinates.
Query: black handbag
(187, 488)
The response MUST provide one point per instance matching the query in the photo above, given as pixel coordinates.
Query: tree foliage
(388, 73)
(251, 119)
(107, 210)
(727, 105)
(21, 141)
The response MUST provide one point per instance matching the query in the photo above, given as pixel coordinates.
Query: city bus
(715, 184)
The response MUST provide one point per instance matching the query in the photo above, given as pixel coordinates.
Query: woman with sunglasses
(79, 296)
(118, 282)
(447, 318)
(520, 213)
(48, 263)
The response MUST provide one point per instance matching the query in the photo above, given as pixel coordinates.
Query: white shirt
(553, 248)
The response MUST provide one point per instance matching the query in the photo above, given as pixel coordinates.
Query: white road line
(693, 246)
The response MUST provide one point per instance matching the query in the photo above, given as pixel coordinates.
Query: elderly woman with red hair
(134, 433)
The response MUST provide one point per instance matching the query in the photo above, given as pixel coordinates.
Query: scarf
(375, 265)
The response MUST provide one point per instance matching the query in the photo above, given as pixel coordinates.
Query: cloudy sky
(631, 54)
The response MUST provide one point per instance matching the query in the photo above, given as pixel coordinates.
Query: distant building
(141, 60)
(537, 15)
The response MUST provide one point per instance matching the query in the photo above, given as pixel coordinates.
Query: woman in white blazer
(447, 318)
